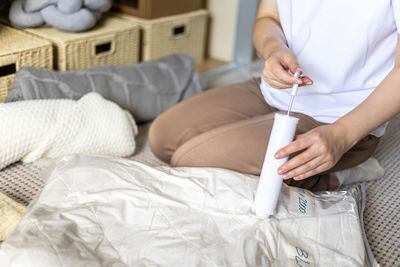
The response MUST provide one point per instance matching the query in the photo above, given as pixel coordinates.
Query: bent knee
(161, 139)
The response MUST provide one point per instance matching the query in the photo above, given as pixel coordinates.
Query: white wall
(223, 15)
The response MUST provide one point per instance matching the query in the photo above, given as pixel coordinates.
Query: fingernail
(278, 155)
(290, 174)
(286, 176)
(309, 83)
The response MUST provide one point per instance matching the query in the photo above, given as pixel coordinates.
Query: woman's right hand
(276, 69)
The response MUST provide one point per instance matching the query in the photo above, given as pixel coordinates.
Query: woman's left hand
(323, 147)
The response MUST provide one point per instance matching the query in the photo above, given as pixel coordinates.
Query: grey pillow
(146, 89)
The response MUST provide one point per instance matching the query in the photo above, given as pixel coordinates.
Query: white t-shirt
(347, 47)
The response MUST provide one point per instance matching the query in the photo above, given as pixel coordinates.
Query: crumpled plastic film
(116, 212)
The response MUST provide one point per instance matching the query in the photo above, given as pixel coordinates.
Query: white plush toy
(67, 15)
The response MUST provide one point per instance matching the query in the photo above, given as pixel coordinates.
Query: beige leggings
(228, 127)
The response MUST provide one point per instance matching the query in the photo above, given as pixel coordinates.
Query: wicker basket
(184, 33)
(111, 42)
(19, 49)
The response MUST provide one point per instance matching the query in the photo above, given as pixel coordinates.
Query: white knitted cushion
(36, 129)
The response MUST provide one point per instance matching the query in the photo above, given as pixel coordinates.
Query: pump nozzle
(293, 93)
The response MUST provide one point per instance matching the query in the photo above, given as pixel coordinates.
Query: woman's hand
(276, 68)
(323, 147)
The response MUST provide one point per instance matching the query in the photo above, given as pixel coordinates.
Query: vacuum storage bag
(117, 212)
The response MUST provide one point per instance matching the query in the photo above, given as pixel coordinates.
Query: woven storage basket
(184, 33)
(111, 42)
(19, 49)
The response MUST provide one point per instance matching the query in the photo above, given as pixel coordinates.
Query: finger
(298, 161)
(278, 67)
(297, 145)
(297, 137)
(306, 81)
(284, 77)
(278, 85)
(270, 76)
(301, 170)
(321, 168)
(284, 84)
(290, 62)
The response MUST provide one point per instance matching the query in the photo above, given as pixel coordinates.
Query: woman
(350, 54)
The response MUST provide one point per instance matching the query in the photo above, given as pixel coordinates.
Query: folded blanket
(36, 129)
(146, 89)
(67, 15)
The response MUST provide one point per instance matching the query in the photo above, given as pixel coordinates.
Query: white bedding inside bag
(117, 212)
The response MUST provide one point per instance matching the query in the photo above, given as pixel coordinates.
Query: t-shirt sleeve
(396, 11)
